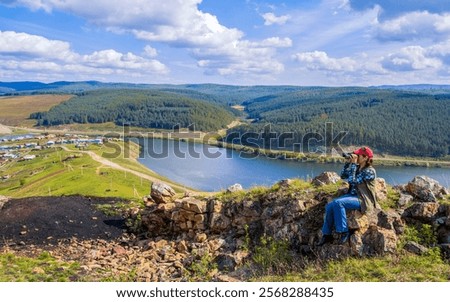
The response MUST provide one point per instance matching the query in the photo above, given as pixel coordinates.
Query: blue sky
(238, 42)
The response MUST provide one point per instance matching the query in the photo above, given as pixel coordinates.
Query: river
(209, 168)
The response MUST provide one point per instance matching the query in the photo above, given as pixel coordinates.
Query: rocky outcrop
(296, 217)
(426, 189)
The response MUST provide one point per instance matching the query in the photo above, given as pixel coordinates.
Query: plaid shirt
(354, 176)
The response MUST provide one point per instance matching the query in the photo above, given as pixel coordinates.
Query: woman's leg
(346, 202)
(328, 221)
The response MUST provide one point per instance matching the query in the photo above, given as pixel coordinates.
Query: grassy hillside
(57, 172)
(16, 110)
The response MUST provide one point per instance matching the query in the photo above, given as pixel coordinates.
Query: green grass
(402, 268)
(43, 268)
(49, 175)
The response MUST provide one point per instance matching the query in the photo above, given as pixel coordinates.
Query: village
(19, 147)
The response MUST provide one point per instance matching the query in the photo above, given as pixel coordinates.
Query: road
(116, 166)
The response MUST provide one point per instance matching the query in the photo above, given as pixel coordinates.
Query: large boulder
(424, 212)
(235, 188)
(326, 178)
(426, 189)
(162, 193)
(378, 241)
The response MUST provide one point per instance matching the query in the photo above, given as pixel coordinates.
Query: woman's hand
(354, 159)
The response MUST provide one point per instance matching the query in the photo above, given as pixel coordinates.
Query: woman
(360, 175)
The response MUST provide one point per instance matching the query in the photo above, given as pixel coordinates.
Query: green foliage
(141, 108)
(423, 234)
(391, 201)
(295, 185)
(200, 269)
(247, 239)
(272, 255)
(43, 268)
(134, 224)
(396, 122)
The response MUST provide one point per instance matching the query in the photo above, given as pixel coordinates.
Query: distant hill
(142, 108)
(417, 87)
(226, 94)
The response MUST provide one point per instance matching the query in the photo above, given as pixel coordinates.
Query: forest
(397, 122)
(136, 107)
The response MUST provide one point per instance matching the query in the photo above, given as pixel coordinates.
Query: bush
(272, 255)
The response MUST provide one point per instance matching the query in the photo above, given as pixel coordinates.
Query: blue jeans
(335, 213)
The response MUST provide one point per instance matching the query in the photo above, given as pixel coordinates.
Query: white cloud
(271, 18)
(415, 25)
(321, 61)
(243, 57)
(276, 42)
(394, 68)
(25, 45)
(172, 21)
(412, 58)
(22, 52)
(150, 51)
(181, 24)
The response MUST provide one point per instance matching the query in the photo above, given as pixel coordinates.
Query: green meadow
(57, 172)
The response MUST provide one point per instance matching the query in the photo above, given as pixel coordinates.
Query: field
(15, 110)
(57, 172)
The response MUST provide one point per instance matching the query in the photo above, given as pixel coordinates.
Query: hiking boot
(325, 239)
(344, 238)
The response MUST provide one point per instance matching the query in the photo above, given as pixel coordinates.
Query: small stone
(119, 250)
(201, 237)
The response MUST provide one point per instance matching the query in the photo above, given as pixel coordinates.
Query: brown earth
(16, 110)
(47, 220)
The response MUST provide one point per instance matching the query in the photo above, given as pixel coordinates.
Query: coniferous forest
(142, 108)
(396, 122)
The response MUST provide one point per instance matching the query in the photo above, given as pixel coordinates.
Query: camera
(347, 155)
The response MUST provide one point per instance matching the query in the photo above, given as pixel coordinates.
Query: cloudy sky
(239, 42)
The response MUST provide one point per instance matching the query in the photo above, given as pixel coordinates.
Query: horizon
(330, 43)
(219, 84)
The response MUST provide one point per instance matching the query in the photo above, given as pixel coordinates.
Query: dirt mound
(46, 220)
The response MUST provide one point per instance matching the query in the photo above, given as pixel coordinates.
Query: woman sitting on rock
(360, 175)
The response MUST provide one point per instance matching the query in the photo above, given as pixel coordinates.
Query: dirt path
(4, 129)
(108, 163)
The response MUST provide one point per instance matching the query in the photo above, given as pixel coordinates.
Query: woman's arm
(345, 172)
(367, 174)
